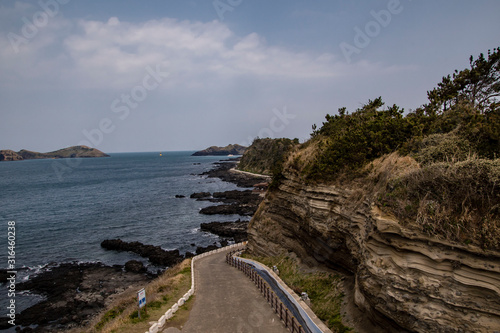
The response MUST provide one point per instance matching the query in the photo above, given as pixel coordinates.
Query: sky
(170, 75)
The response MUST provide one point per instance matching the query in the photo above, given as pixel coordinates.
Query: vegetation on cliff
(265, 156)
(451, 190)
(221, 151)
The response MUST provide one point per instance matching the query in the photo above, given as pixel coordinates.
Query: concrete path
(227, 301)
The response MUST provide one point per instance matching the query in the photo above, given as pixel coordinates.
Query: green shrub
(443, 147)
(347, 142)
(265, 156)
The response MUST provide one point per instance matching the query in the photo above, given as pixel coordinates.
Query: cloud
(220, 84)
(113, 54)
(93, 54)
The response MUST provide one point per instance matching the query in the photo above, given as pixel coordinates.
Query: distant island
(71, 152)
(222, 151)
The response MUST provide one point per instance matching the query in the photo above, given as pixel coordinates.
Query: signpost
(141, 297)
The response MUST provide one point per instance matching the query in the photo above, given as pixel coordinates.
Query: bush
(347, 142)
(443, 147)
(265, 156)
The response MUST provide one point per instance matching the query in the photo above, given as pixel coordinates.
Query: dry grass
(451, 195)
(161, 294)
(301, 157)
(456, 201)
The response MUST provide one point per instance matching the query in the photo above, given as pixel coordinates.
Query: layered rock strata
(404, 281)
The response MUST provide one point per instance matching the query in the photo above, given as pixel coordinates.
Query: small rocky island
(70, 152)
(222, 151)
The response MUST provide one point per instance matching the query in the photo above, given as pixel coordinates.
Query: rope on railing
(279, 308)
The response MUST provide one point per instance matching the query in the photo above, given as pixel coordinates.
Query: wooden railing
(279, 308)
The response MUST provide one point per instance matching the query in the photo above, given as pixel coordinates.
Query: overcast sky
(163, 75)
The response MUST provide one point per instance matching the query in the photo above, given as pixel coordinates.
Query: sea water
(63, 211)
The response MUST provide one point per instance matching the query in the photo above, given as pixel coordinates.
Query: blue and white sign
(141, 296)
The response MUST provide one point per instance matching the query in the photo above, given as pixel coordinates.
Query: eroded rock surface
(74, 293)
(404, 281)
(236, 230)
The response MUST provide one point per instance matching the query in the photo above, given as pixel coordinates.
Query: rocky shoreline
(235, 231)
(222, 171)
(75, 293)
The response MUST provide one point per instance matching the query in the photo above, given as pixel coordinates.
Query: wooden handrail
(280, 309)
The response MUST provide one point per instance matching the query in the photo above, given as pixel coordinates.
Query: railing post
(269, 295)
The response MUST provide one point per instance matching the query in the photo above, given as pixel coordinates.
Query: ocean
(63, 216)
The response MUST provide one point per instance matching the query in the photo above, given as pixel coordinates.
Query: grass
(161, 294)
(323, 289)
(457, 201)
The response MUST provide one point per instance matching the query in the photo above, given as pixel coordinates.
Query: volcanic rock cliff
(405, 281)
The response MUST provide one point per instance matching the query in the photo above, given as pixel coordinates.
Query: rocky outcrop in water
(223, 171)
(405, 281)
(236, 230)
(236, 202)
(155, 254)
(222, 151)
(74, 293)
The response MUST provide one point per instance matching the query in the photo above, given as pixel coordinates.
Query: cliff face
(404, 280)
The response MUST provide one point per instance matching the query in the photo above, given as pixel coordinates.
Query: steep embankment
(70, 152)
(404, 279)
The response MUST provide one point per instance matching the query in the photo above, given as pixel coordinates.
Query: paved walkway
(227, 301)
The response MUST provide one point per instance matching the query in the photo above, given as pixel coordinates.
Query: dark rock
(135, 266)
(200, 195)
(236, 203)
(236, 230)
(155, 254)
(234, 209)
(222, 171)
(3, 275)
(240, 197)
(200, 249)
(180, 196)
(74, 294)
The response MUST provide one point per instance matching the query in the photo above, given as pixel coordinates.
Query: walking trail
(227, 301)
